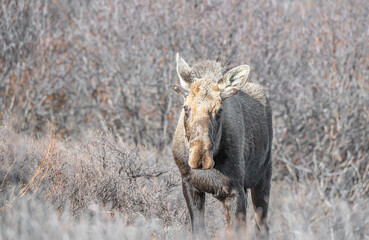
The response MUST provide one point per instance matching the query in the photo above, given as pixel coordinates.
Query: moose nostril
(186, 109)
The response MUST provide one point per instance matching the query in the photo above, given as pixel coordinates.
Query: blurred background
(108, 66)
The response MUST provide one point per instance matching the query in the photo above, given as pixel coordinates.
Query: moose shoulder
(222, 143)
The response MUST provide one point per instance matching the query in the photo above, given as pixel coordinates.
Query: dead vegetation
(103, 81)
(99, 183)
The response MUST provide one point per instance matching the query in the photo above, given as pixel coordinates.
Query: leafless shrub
(83, 65)
(118, 176)
(109, 184)
(109, 64)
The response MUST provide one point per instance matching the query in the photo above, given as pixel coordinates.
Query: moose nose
(200, 156)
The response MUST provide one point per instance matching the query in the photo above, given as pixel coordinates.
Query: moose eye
(217, 116)
(186, 109)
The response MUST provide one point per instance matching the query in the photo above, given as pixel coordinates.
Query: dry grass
(85, 189)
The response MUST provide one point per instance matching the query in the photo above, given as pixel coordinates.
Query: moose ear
(184, 71)
(228, 93)
(234, 78)
(180, 90)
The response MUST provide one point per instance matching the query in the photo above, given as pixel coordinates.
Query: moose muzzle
(201, 155)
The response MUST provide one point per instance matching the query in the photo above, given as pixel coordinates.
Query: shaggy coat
(223, 140)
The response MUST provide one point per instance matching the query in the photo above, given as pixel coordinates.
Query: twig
(56, 182)
(48, 164)
(295, 166)
(49, 153)
(147, 175)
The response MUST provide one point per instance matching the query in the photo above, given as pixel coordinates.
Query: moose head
(202, 108)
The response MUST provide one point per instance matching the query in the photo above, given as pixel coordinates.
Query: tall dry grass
(88, 188)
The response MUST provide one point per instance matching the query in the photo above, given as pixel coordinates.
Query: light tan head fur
(203, 99)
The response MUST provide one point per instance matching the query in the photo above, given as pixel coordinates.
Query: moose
(222, 143)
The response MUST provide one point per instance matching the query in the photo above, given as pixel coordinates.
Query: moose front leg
(196, 206)
(227, 208)
(241, 204)
(237, 201)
